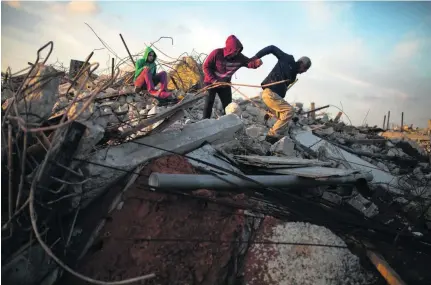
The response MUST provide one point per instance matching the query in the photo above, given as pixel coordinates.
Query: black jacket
(285, 69)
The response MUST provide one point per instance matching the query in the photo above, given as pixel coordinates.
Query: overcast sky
(367, 55)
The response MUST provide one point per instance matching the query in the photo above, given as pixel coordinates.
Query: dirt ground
(123, 249)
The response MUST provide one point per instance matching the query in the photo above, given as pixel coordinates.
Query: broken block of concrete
(255, 131)
(93, 134)
(284, 146)
(233, 108)
(256, 112)
(363, 205)
(332, 197)
(155, 110)
(207, 153)
(131, 154)
(307, 139)
(40, 94)
(75, 110)
(62, 89)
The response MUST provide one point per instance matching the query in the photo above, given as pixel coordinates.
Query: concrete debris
(284, 146)
(125, 130)
(131, 154)
(323, 172)
(38, 100)
(363, 205)
(233, 108)
(255, 131)
(277, 162)
(301, 264)
(332, 197)
(349, 160)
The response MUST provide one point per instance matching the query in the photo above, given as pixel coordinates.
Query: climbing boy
(146, 77)
(285, 71)
(220, 66)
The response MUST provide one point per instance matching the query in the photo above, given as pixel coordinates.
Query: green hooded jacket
(142, 63)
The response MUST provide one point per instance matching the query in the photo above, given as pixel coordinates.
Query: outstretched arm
(209, 66)
(278, 53)
(252, 63)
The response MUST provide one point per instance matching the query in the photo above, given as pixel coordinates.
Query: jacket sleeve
(209, 66)
(278, 53)
(139, 66)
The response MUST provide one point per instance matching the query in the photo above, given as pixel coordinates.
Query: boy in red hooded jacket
(220, 66)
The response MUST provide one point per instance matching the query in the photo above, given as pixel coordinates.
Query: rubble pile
(78, 140)
(283, 264)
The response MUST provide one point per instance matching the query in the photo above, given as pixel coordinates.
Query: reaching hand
(258, 62)
(255, 63)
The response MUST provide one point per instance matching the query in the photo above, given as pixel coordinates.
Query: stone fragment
(332, 197)
(233, 108)
(284, 146)
(255, 131)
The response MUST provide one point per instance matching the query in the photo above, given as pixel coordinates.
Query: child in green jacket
(147, 78)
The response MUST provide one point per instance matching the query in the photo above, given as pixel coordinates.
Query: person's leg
(282, 108)
(162, 77)
(209, 102)
(225, 95)
(145, 78)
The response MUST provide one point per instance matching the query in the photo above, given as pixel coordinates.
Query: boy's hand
(255, 63)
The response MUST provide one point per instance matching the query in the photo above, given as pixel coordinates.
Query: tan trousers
(283, 111)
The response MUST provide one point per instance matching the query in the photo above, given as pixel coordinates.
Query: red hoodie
(219, 66)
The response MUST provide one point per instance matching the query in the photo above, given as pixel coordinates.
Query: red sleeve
(209, 65)
(243, 59)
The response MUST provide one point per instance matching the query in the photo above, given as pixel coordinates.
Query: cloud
(345, 66)
(15, 4)
(85, 7)
(321, 14)
(406, 50)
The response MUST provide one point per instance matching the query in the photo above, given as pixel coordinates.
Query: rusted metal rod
(315, 109)
(384, 122)
(113, 67)
(387, 123)
(131, 58)
(384, 269)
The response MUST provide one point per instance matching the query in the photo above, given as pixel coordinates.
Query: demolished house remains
(102, 185)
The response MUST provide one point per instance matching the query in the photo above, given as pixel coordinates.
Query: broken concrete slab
(40, 95)
(278, 162)
(332, 197)
(322, 172)
(285, 146)
(381, 177)
(207, 153)
(186, 103)
(92, 135)
(363, 205)
(255, 131)
(131, 154)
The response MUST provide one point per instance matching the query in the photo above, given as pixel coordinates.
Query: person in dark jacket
(286, 69)
(220, 66)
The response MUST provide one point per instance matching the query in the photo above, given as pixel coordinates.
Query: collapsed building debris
(153, 172)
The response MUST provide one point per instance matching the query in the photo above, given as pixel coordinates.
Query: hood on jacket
(233, 46)
(147, 52)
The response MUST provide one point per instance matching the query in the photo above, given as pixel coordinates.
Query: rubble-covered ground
(275, 212)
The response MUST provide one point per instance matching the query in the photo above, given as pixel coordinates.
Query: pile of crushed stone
(303, 264)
